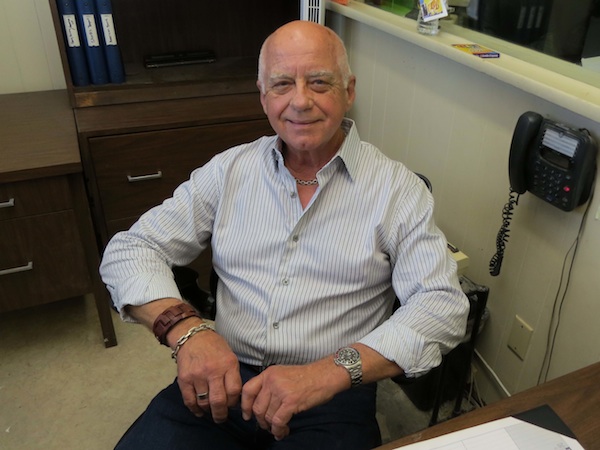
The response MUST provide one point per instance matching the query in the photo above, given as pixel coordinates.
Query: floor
(60, 388)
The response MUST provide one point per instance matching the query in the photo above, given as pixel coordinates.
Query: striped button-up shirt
(298, 283)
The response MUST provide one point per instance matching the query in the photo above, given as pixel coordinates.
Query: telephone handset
(550, 160)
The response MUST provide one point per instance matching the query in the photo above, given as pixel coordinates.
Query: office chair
(187, 282)
(449, 380)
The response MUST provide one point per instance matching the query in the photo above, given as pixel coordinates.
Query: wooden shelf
(236, 75)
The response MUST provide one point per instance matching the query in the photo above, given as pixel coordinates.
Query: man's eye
(281, 85)
(319, 85)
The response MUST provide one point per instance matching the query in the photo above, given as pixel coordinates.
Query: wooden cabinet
(47, 246)
(140, 139)
(132, 172)
(41, 252)
(136, 154)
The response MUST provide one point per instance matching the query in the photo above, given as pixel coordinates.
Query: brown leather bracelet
(169, 318)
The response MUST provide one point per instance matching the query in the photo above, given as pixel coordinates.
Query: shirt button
(295, 238)
(293, 194)
(285, 281)
(276, 325)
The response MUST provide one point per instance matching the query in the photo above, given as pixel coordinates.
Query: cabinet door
(32, 197)
(41, 260)
(137, 171)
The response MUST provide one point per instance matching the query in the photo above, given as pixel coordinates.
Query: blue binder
(86, 16)
(75, 52)
(114, 62)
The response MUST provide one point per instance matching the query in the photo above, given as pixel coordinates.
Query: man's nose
(302, 98)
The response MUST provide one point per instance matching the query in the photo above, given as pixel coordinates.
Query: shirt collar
(349, 152)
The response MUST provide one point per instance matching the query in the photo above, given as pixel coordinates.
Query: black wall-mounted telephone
(550, 160)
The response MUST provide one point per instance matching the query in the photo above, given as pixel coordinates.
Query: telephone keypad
(550, 183)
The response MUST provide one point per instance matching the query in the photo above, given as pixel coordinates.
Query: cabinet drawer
(32, 197)
(41, 260)
(135, 172)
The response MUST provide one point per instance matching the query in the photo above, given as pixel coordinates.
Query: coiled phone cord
(503, 233)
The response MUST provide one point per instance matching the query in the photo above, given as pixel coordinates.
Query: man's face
(304, 95)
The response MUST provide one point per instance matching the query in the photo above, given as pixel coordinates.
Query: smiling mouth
(302, 122)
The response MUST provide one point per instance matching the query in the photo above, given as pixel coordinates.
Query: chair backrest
(425, 180)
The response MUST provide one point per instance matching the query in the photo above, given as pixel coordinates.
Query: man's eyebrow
(316, 74)
(279, 76)
(321, 73)
(274, 79)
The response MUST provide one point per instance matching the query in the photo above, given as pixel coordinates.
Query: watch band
(169, 318)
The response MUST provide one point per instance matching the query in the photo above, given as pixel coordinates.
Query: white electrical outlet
(519, 338)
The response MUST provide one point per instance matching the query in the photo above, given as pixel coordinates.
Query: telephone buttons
(550, 183)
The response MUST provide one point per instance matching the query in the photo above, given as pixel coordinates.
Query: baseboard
(490, 389)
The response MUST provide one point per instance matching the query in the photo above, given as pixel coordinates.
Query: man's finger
(218, 400)
(279, 422)
(249, 394)
(188, 393)
(233, 387)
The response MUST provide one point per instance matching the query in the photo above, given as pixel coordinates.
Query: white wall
(29, 57)
(454, 125)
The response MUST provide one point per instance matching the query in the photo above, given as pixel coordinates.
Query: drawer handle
(25, 268)
(152, 176)
(9, 204)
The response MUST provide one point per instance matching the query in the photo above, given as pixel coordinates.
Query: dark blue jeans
(346, 422)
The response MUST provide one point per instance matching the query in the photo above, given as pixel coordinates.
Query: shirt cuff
(142, 289)
(407, 348)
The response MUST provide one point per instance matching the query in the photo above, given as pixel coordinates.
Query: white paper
(501, 434)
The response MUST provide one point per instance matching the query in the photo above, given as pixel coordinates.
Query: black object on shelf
(179, 59)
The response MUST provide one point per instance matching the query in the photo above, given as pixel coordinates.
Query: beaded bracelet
(192, 331)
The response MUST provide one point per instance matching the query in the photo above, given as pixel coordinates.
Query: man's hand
(206, 364)
(279, 392)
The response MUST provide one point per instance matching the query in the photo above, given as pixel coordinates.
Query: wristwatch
(349, 359)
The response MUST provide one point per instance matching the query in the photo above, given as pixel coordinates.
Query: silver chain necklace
(307, 182)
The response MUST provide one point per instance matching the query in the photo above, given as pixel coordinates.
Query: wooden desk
(48, 250)
(574, 397)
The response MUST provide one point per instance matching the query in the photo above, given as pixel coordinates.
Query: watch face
(347, 356)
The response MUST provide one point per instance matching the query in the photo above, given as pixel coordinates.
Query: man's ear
(263, 101)
(351, 92)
